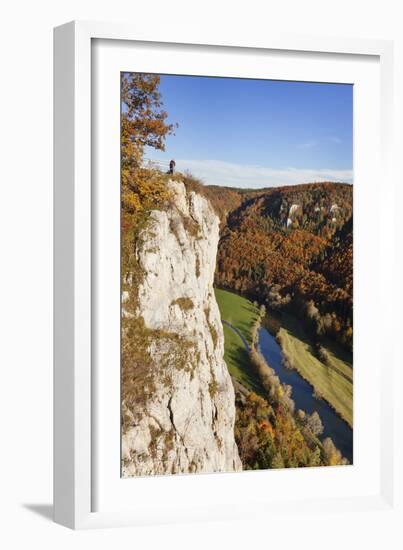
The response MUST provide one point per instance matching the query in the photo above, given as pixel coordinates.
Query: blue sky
(256, 133)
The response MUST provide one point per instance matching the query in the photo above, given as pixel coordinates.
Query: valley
(236, 332)
(303, 379)
(289, 250)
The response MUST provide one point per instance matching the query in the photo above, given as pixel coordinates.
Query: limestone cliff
(178, 398)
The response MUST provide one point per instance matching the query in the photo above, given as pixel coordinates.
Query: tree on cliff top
(143, 123)
(143, 119)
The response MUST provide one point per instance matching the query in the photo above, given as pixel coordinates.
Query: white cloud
(216, 172)
(307, 145)
(335, 139)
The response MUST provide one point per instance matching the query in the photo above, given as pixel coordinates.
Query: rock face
(185, 423)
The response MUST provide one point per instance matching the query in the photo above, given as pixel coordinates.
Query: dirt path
(238, 332)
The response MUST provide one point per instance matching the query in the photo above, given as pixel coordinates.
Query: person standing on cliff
(172, 165)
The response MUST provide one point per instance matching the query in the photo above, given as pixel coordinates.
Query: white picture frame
(75, 412)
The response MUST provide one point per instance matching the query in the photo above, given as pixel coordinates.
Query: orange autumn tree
(143, 124)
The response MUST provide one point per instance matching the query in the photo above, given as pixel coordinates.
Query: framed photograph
(220, 266)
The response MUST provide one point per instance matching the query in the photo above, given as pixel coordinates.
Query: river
(334, 426)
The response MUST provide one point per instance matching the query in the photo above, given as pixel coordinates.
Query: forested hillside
(291, 247)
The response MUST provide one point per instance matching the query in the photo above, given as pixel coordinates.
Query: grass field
(333, 381)
(237, 311)
(241, 314)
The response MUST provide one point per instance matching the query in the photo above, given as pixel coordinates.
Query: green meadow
(241, 314)
(333, 381)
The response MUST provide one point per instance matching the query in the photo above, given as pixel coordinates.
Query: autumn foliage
(291, 262)
(269, 436)
(143, 124)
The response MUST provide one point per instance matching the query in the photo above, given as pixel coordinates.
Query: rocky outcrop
(184, 421)
(294, 208)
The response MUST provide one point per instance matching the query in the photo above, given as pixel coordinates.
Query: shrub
(184, 303)
(314, 423)
(332, 455)
(323, 354)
